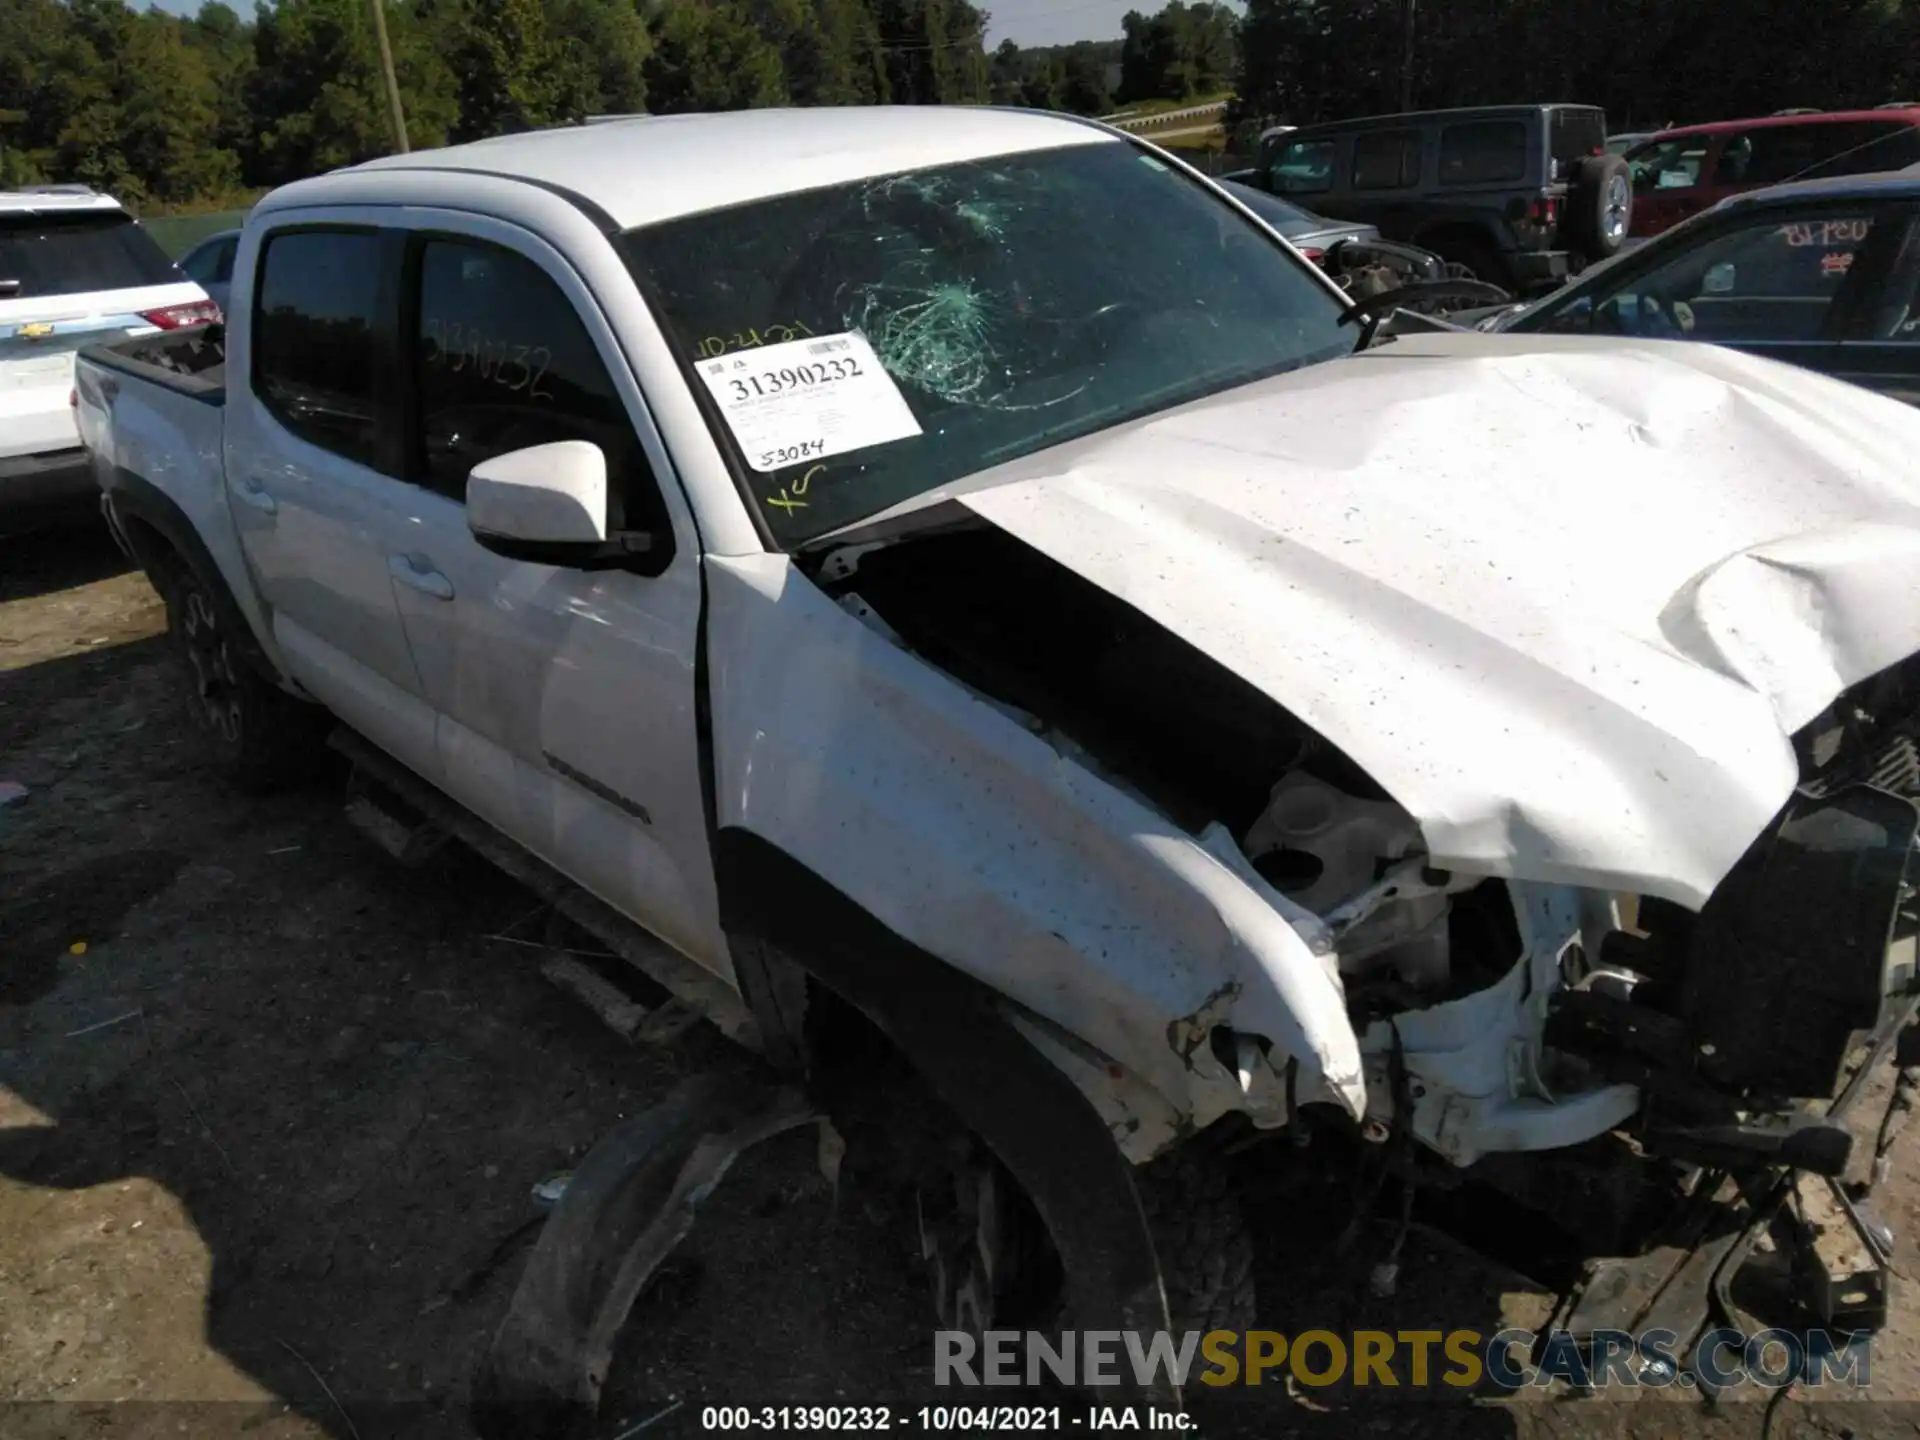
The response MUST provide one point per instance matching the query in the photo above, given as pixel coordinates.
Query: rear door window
(1576, 132)
(1386, 160)
(1772, 154)
(1304, 167)
(314, 329)
(1668, 164)
(76, 251)
(1483, 152)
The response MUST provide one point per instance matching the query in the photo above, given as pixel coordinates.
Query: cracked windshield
(866, 343)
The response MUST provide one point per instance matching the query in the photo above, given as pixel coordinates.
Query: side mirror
(1719, 279)
(548, 504)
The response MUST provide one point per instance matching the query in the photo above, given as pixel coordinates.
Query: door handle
(417, 573)
(256, 495)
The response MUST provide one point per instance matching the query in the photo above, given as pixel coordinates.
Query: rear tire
(256, 734)
(1478, 259)
(1599, 207)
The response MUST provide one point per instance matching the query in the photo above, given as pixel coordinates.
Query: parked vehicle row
(210, 265)
(1824, 274)
(75, 268)
(1518, 195)
(1168, 703)
(1683, 171)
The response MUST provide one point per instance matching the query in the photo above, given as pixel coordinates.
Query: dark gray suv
(1519, 195)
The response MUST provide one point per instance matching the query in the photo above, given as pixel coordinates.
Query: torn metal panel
(965, 833)
(1581, 670)
(626, 1207)
(1475, 1063)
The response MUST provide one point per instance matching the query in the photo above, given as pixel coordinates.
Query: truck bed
(192, 361)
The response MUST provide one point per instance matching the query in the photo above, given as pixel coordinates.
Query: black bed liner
(192, 361)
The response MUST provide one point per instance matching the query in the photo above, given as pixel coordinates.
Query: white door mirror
(546, 502)
(1719, 279)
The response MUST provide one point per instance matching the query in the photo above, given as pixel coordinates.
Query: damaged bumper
(1727, 1020)
(1703, 1035)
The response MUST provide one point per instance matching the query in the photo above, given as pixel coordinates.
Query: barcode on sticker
(827, 347)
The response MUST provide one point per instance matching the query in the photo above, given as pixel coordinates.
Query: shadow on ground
(45, 562)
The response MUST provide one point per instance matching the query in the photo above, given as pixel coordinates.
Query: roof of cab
(1880, 185)
(1452, 115)
(659, 167)
(1775, 122)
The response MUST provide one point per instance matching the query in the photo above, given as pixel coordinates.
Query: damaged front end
(1754, 1029)
(1330, 946)
(1489, 1015)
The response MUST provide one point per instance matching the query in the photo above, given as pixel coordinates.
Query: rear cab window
(1575, 132)
(77, 252)
(316, 319)
(1483, 152)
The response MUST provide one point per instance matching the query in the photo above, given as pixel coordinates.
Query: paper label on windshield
(807, 399)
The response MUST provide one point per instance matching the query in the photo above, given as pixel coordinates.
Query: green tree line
(1648, 62)
(161, 109)
(165, 110)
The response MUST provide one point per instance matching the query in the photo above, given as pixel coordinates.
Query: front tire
(991, 1266)
(256, 734)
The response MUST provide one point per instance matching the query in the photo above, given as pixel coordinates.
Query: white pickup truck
(962, 563)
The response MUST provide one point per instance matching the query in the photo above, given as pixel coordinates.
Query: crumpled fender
(979, 842)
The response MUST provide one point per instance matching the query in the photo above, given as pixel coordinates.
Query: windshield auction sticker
(807, 399)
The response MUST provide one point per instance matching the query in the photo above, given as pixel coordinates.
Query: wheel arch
(159, 533)
(953, 1031)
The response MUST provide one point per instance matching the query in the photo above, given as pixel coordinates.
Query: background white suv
(75, 268)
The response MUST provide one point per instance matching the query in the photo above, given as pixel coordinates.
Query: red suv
(1682, 172)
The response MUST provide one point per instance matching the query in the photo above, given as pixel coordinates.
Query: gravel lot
(271, 1107)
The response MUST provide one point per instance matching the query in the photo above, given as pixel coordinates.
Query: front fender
(957, 828)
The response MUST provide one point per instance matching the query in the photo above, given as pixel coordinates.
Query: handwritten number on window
(519, 369)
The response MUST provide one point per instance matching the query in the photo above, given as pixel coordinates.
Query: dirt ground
(271, 1109)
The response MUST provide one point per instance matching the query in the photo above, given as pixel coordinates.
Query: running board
(409, 841)
(694, 989)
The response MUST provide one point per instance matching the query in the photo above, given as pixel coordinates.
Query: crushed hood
(1565, 601)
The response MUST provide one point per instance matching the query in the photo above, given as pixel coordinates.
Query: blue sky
(1031, 22)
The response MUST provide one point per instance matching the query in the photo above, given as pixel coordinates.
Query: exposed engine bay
(1766, 992)
(1154, 715)
(1699, 1035)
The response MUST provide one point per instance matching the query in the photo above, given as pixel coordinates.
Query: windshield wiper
(1370, 328)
